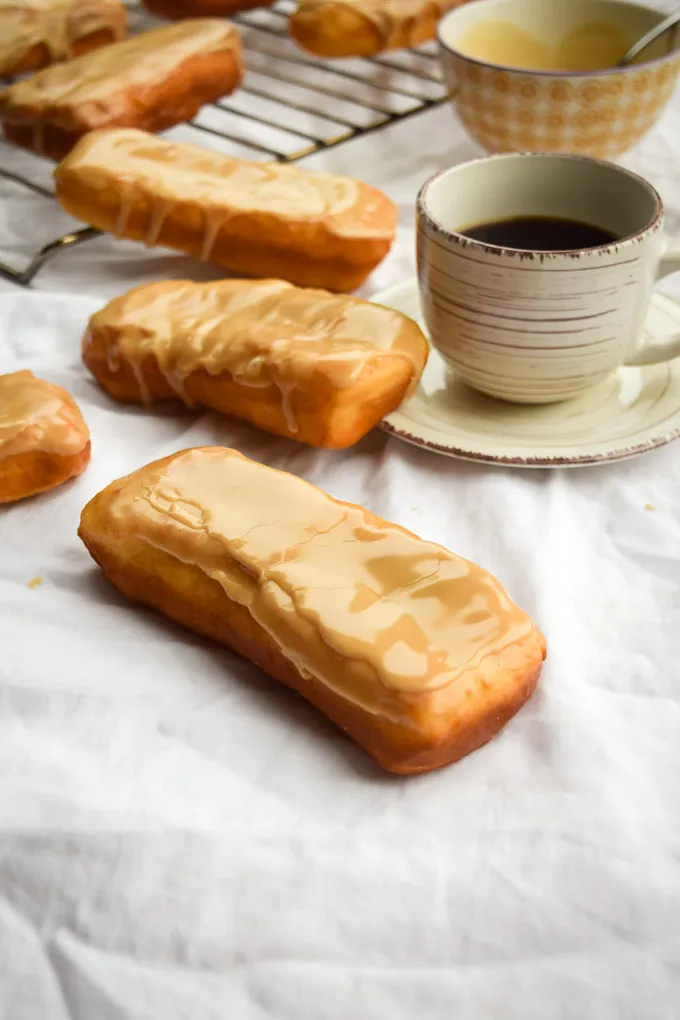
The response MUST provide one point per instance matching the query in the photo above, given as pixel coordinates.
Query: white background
(182, 839)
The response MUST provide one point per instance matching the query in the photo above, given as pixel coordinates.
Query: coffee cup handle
(669, 347)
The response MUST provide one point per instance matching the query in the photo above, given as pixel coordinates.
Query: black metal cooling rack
(289, 106)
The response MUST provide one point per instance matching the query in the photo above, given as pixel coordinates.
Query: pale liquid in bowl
(588, 47)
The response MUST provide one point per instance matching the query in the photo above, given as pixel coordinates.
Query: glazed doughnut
(313, 366)
(150, 81)
(417, 654)
(257, 219)
(43, 438)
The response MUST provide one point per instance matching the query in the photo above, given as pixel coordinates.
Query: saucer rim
(387, 296)
(575, 461)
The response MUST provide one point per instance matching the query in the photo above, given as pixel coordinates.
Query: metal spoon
(670, 22)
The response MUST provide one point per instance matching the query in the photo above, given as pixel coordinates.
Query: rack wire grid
(289, 106)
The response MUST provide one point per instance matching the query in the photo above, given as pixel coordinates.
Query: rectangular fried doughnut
(417, 654)
(360, 28)
(151, 81)
(313, 366)
(35, 33)
(257, 219)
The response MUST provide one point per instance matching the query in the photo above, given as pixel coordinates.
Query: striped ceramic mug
(536, 327)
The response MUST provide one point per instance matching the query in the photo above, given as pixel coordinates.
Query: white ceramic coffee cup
(538, 327)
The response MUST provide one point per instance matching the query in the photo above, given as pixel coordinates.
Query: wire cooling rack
(289, 106)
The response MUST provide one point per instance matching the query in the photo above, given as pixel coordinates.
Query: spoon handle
(649, 38)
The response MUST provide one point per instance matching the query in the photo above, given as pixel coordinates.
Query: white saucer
(636, 410)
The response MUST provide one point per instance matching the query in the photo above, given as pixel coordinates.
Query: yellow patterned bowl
(539, 75)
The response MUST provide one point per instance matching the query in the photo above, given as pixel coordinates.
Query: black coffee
(540, 233)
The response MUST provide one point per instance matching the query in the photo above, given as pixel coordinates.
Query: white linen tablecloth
(183, 839)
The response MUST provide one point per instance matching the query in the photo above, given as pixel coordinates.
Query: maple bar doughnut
(202, 8)
(43, 438)
(257, 219)
(150, 81)
(419, 655)
(361, 28)
(35, 33)
(313, 366)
